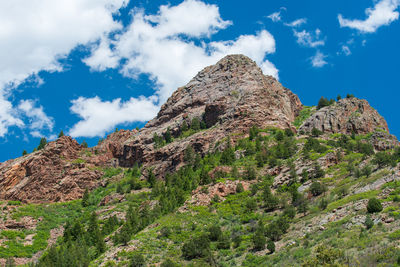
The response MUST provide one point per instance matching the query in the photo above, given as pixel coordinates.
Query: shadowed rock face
(231, 96)
(346, 116)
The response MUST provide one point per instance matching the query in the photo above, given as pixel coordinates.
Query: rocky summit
(233, 171)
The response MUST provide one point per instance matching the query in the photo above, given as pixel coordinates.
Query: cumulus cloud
(318, 60)
(296, 23)
(383, 13)
(309, 39)
(40, 32)
(169, 46)
(38, 120)
(8, 116)
(99, 117)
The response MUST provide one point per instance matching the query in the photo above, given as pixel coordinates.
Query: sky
(87, 67)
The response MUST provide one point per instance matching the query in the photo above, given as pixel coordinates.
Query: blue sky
(89, 66)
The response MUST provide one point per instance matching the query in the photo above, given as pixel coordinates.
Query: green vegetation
(305, 113)
(271, 218)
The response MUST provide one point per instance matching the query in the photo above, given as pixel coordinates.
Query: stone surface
(346, 116)
(51, 174)
(231, 96)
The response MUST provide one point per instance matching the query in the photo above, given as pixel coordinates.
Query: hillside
(233, 171)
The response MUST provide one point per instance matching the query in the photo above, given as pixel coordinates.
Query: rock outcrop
(55, 173)
(346, 116)
(230, 97)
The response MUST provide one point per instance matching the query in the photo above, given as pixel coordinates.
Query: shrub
(137, 260)
(374, 205)
(224, 242)
(239, 188)
(259, 240)
(323, 204)
(271, 246)
(196, 247)
(251, 204)
(315, 132)
(168, 263)
(215, 233)
(368, 222)
(317, 189)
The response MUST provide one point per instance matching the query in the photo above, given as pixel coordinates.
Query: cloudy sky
(89, 66)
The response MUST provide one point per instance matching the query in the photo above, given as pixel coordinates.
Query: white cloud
(36, 33)
(170, 47)
(99, 117)
(383, 13)
(38, 118)
(309, 39)
(346, 50)
(296, 23)
(8, 116)
(318, 60)
(163, 45)
(275, 17)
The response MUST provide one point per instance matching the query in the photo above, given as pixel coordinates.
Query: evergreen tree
(259, 240)
(189, 155)
(253, 133)
(42, 144)
(234, 172)
(323, 102)
(168, 136)
(271, 246)
(195, 124)
(151, 178)
(24, 153)
(184, 127)
(61, 134)
(85, 198)
(84, 144)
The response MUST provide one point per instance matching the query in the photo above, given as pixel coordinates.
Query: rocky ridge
(228, 97)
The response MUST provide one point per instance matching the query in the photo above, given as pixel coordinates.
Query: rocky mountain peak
(230, 96)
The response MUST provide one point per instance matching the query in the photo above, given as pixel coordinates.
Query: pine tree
(271, 246)
(42, 144)
(84, 144)
(61, 134)
(151, 178)
(85, 198)
(168, 136)
(24, 153)
(195, 125)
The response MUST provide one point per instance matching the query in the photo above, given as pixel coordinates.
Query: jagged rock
(204, 195)
(383, 141)
(346, 116)
(48, 175)
(231, 96)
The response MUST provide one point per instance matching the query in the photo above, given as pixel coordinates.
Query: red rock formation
(346, 116)
(231, 96)
(50, 174)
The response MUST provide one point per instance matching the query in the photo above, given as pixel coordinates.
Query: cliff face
(54, 173)
(352, 115)
(346, 116)
(230, 97)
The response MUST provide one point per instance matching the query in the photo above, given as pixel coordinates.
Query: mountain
(233, 170)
